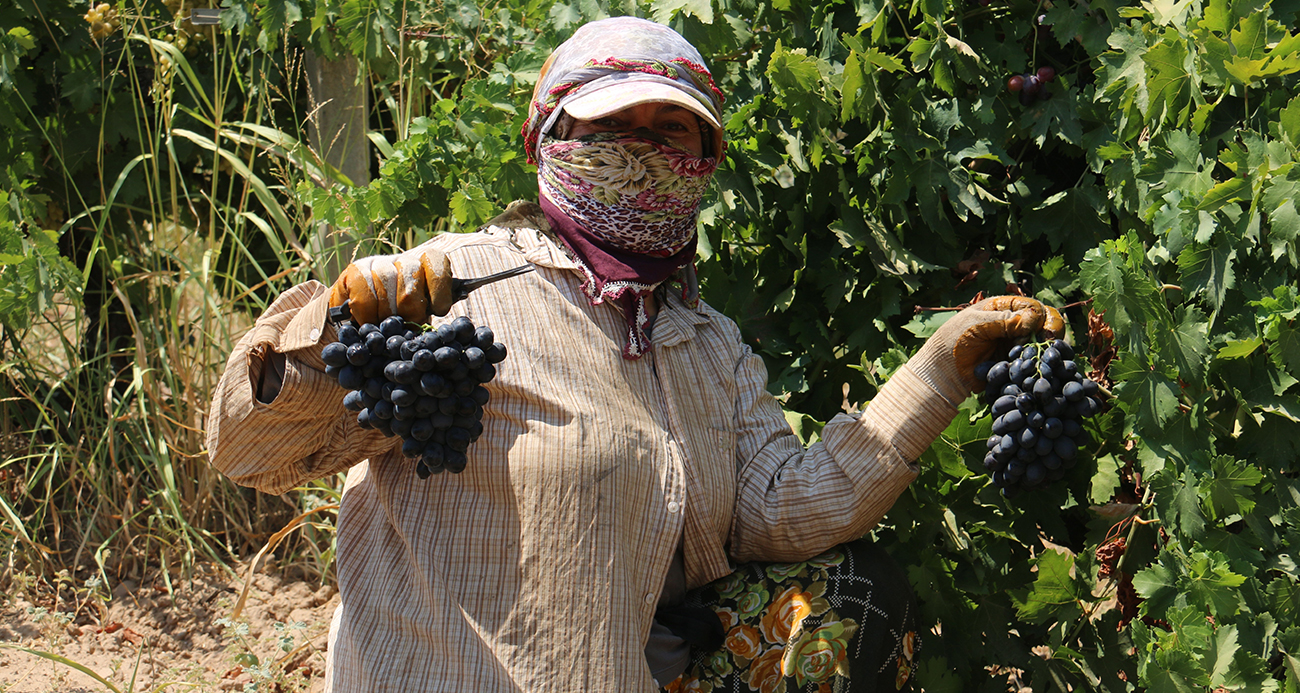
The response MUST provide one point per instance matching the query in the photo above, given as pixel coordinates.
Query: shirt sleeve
(304, 432)
(792, 502)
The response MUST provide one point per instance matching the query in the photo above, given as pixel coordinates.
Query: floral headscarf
(607, 49)
(624, 204)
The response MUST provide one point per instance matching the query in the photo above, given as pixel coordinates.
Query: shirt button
(315, 334)
(649, 598)
(674, 506)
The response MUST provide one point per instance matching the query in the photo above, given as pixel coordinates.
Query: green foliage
(876, 165)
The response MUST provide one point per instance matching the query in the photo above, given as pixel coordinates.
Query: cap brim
(599, 103)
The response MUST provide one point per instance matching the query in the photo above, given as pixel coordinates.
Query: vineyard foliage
(878, 168)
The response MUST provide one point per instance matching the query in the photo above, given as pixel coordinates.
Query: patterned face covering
(625, 205)
(635, 191)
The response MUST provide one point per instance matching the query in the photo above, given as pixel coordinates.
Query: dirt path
(178, 640)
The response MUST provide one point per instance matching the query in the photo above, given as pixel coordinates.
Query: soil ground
(146, 637)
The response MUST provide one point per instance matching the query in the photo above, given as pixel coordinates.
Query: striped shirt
(540, 566)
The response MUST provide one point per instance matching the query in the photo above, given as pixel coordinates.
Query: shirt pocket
(712, 472)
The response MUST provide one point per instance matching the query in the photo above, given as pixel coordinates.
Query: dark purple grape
(374, 368)
(480, 395)
(412, 447)
(1012, 390)
(1035, 474)
(424, 360)
(403, 412)
(434, 385)
(991, 463)
(1032, 85)
(448, 405)
(464, 422)
(1063, 347)
(484, 338)
(367, 329)
(363, 419)
(982, 371)
(357, 354)
(426, 405)
(352, 401)
(496, 353)
(1065, 448)
(1052, 427)
(458, 439)
(997, 374)
(393, 346)
(1046, 73)
(464, 328)
(475, 431)
(348, 335)
(350, 378)
(456, 461)
(404, 397)
(1043, 446)
(474, 358)
(1090, 388)
(1004, 405)
(447, 357)
(1028, 437)
(382, 410)
(333, 371)
(1035, 420)
(408, 349)
(401, 427)
(1073, 391)
(1043, 390)
(392, 326)
(422, 430)
(1025, 403)
(334, 354)
(486, 373)
(377, 343)
(441, 420)
(1014, 84)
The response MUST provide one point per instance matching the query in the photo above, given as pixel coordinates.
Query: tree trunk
(338, 125)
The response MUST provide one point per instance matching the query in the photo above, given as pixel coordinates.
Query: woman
(631, 452)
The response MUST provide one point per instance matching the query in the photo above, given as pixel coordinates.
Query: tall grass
(104, 467)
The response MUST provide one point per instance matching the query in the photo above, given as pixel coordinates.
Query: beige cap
(613, 93)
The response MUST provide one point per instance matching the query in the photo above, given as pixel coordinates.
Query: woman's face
(670, 121)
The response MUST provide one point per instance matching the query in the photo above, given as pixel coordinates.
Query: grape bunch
(1033, 86)
(426, 387)
(1038, 397)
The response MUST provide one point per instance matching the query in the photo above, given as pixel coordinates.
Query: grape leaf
(1180, 504)
(1208, 269)
(1170, 85)
(664, 10)
(1123, 74)
(1128, 296)
(1211, 582)
(1229, 488)
(1069, 218)
(1186, 345)
(1240, 348)
(1157, 584)
(1055, 593)
(1285, 348)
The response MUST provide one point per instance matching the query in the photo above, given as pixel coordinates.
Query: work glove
(974, 335)
(412, 284)
(921, 398)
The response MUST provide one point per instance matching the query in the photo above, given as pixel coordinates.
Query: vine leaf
(1055, 592)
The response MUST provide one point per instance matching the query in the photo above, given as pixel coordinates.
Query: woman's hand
(412, 284)
(975, 335)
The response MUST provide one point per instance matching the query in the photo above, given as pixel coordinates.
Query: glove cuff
(937, 366)
(909, 412)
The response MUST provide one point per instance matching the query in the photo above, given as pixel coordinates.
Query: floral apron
(842, 621)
